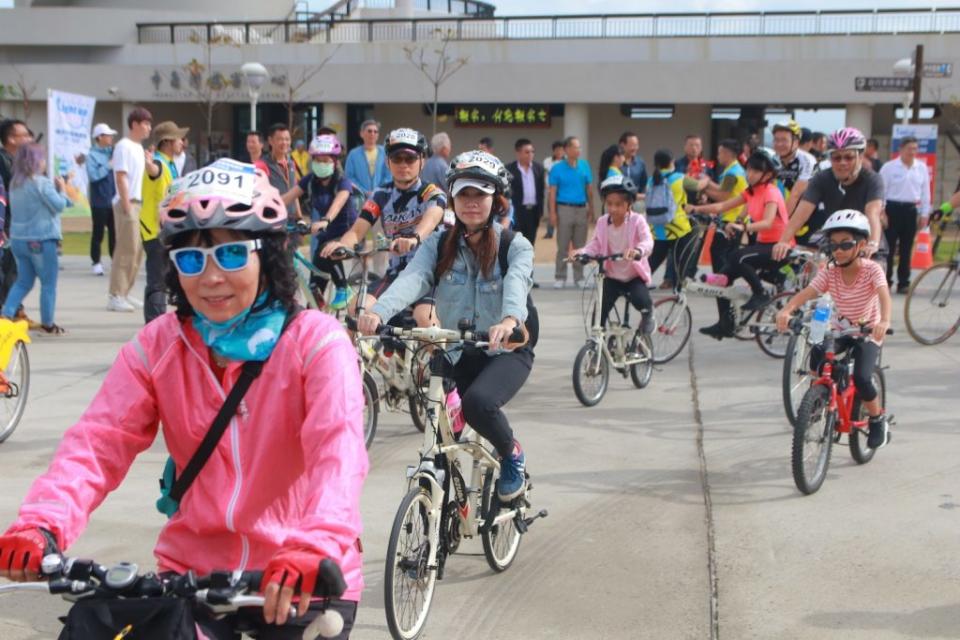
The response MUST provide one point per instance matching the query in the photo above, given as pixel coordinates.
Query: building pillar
(403, 8)
(335, 117)
(576, 122)
(860, 116)
(125, 109)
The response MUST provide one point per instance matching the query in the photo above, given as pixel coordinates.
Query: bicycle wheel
(408, 582)
(674, 323)
(859, 451)
(772, 342)
(501, 541)
(641, 372)
(418, 411)
(591, 373)
(796, 374)
(812, 440)
(371, 408)
(13, 400)
(932, 309)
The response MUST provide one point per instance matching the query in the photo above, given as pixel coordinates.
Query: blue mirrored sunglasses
(229, 256)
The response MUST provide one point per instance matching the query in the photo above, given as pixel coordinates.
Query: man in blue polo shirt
(570, 207)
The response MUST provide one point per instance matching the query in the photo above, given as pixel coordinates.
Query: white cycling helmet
(847, 220)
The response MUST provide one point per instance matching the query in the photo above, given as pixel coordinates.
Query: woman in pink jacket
(281, 490)
(623, 231)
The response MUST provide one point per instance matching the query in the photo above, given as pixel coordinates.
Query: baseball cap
(103, 129)
(463, 183)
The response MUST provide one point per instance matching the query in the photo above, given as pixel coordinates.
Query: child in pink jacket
(281, 491)
(626, 232)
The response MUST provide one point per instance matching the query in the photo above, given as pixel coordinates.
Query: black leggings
(635, 290)
(866, 354)
(231, 626)
(720, 250)
(744, 262)
(485, 384)
(102, 221)
(332, 267)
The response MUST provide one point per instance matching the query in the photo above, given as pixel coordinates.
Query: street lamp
(256, 74)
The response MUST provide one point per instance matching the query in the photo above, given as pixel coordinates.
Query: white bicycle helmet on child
(847, 220)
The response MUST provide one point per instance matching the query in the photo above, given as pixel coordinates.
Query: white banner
(69, 120)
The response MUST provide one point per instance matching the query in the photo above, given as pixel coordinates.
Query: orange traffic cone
(707, 241)
(922, 250)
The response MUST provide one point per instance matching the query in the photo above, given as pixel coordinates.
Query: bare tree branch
(304, 77)
(438, 70)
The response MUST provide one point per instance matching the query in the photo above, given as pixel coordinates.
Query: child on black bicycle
(859, 290)
(764, 219)
(626, 232)
(332, 212)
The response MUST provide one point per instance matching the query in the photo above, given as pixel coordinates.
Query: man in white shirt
(906, 194)
(129, 160)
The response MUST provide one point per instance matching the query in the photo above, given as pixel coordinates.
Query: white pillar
(125, 109)
(403, 8)
(576, 122)
(860, 116)
(335, 117)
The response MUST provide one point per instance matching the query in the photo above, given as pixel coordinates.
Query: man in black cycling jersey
(796, 165)
(845, 186)
(410, 211)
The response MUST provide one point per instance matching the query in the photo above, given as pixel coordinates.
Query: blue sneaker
(341, 298)
(512, 481)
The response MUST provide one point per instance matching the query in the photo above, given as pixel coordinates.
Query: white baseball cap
(463, 183)
(103, 130)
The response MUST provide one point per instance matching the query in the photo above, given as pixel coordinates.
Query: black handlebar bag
(131, 619)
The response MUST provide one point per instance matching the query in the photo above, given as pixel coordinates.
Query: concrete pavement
(624, 553)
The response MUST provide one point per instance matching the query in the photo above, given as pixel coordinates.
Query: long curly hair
(277, 273)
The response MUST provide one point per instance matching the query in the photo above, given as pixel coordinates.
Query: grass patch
(77, 243)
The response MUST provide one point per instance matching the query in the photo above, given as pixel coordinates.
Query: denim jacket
(38, 207)
(463, 291)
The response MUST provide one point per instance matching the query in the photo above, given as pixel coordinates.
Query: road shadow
(932, 622)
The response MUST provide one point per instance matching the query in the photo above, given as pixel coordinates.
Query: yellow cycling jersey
(733, 180)
(154, 190)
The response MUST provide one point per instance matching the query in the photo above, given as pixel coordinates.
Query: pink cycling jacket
(640, 238)
(287, 472)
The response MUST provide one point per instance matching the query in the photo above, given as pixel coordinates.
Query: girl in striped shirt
(859, 290)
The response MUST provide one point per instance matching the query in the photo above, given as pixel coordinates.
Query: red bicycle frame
(841, 403)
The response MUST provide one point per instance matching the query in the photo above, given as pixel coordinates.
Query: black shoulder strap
(503, 251)
(251, 369)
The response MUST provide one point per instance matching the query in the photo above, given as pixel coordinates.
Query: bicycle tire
(772, 344)
(815, 423)
(418, 412)
(796, 374)
(407, 562)
(18, 373)
(371, 408)
(673, 325)
(930, 294)
(500, 542)
(642, 372)
(593, 351)
(859, 450)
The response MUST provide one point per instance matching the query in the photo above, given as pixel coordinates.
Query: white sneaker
(134, 302)
(116, 303)
(558, 284)
(581, 284)
(98, 269)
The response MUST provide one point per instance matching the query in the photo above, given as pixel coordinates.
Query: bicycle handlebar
(438, 334)
(583, 258)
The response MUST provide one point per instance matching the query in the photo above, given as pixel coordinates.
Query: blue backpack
(660, 205)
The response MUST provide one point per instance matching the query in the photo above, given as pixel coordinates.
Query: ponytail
(662, 159)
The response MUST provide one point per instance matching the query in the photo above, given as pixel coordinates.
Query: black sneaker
(646, 325)
(879, 432)
(756, 301)
(903, 287)
(716, 331)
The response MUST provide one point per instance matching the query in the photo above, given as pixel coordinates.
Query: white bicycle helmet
(847, 220)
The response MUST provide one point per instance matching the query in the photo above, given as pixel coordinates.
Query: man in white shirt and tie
(906, 194)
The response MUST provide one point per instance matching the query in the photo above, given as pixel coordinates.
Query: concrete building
(661, 76)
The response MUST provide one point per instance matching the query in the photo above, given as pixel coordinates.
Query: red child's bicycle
(831, 407)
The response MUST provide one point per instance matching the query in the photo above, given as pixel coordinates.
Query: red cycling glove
(24, 550)
(296, 568)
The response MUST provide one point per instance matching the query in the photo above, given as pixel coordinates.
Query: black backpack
(532, 323)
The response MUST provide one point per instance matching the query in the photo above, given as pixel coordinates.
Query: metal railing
(745, 24)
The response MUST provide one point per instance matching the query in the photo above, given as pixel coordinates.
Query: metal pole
(917, 76)
(253, 110)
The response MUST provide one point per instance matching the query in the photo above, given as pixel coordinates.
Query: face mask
(322, 169)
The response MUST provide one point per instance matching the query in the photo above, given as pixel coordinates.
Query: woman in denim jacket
(35, 233)
(464, 273)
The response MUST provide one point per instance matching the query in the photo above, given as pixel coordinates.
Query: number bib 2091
(224, 178)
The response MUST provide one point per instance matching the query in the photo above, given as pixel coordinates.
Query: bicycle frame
(599, 334)
(841, 402)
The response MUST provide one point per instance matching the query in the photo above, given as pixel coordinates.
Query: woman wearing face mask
(332, 212)
(281, 490)
(462, 267)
